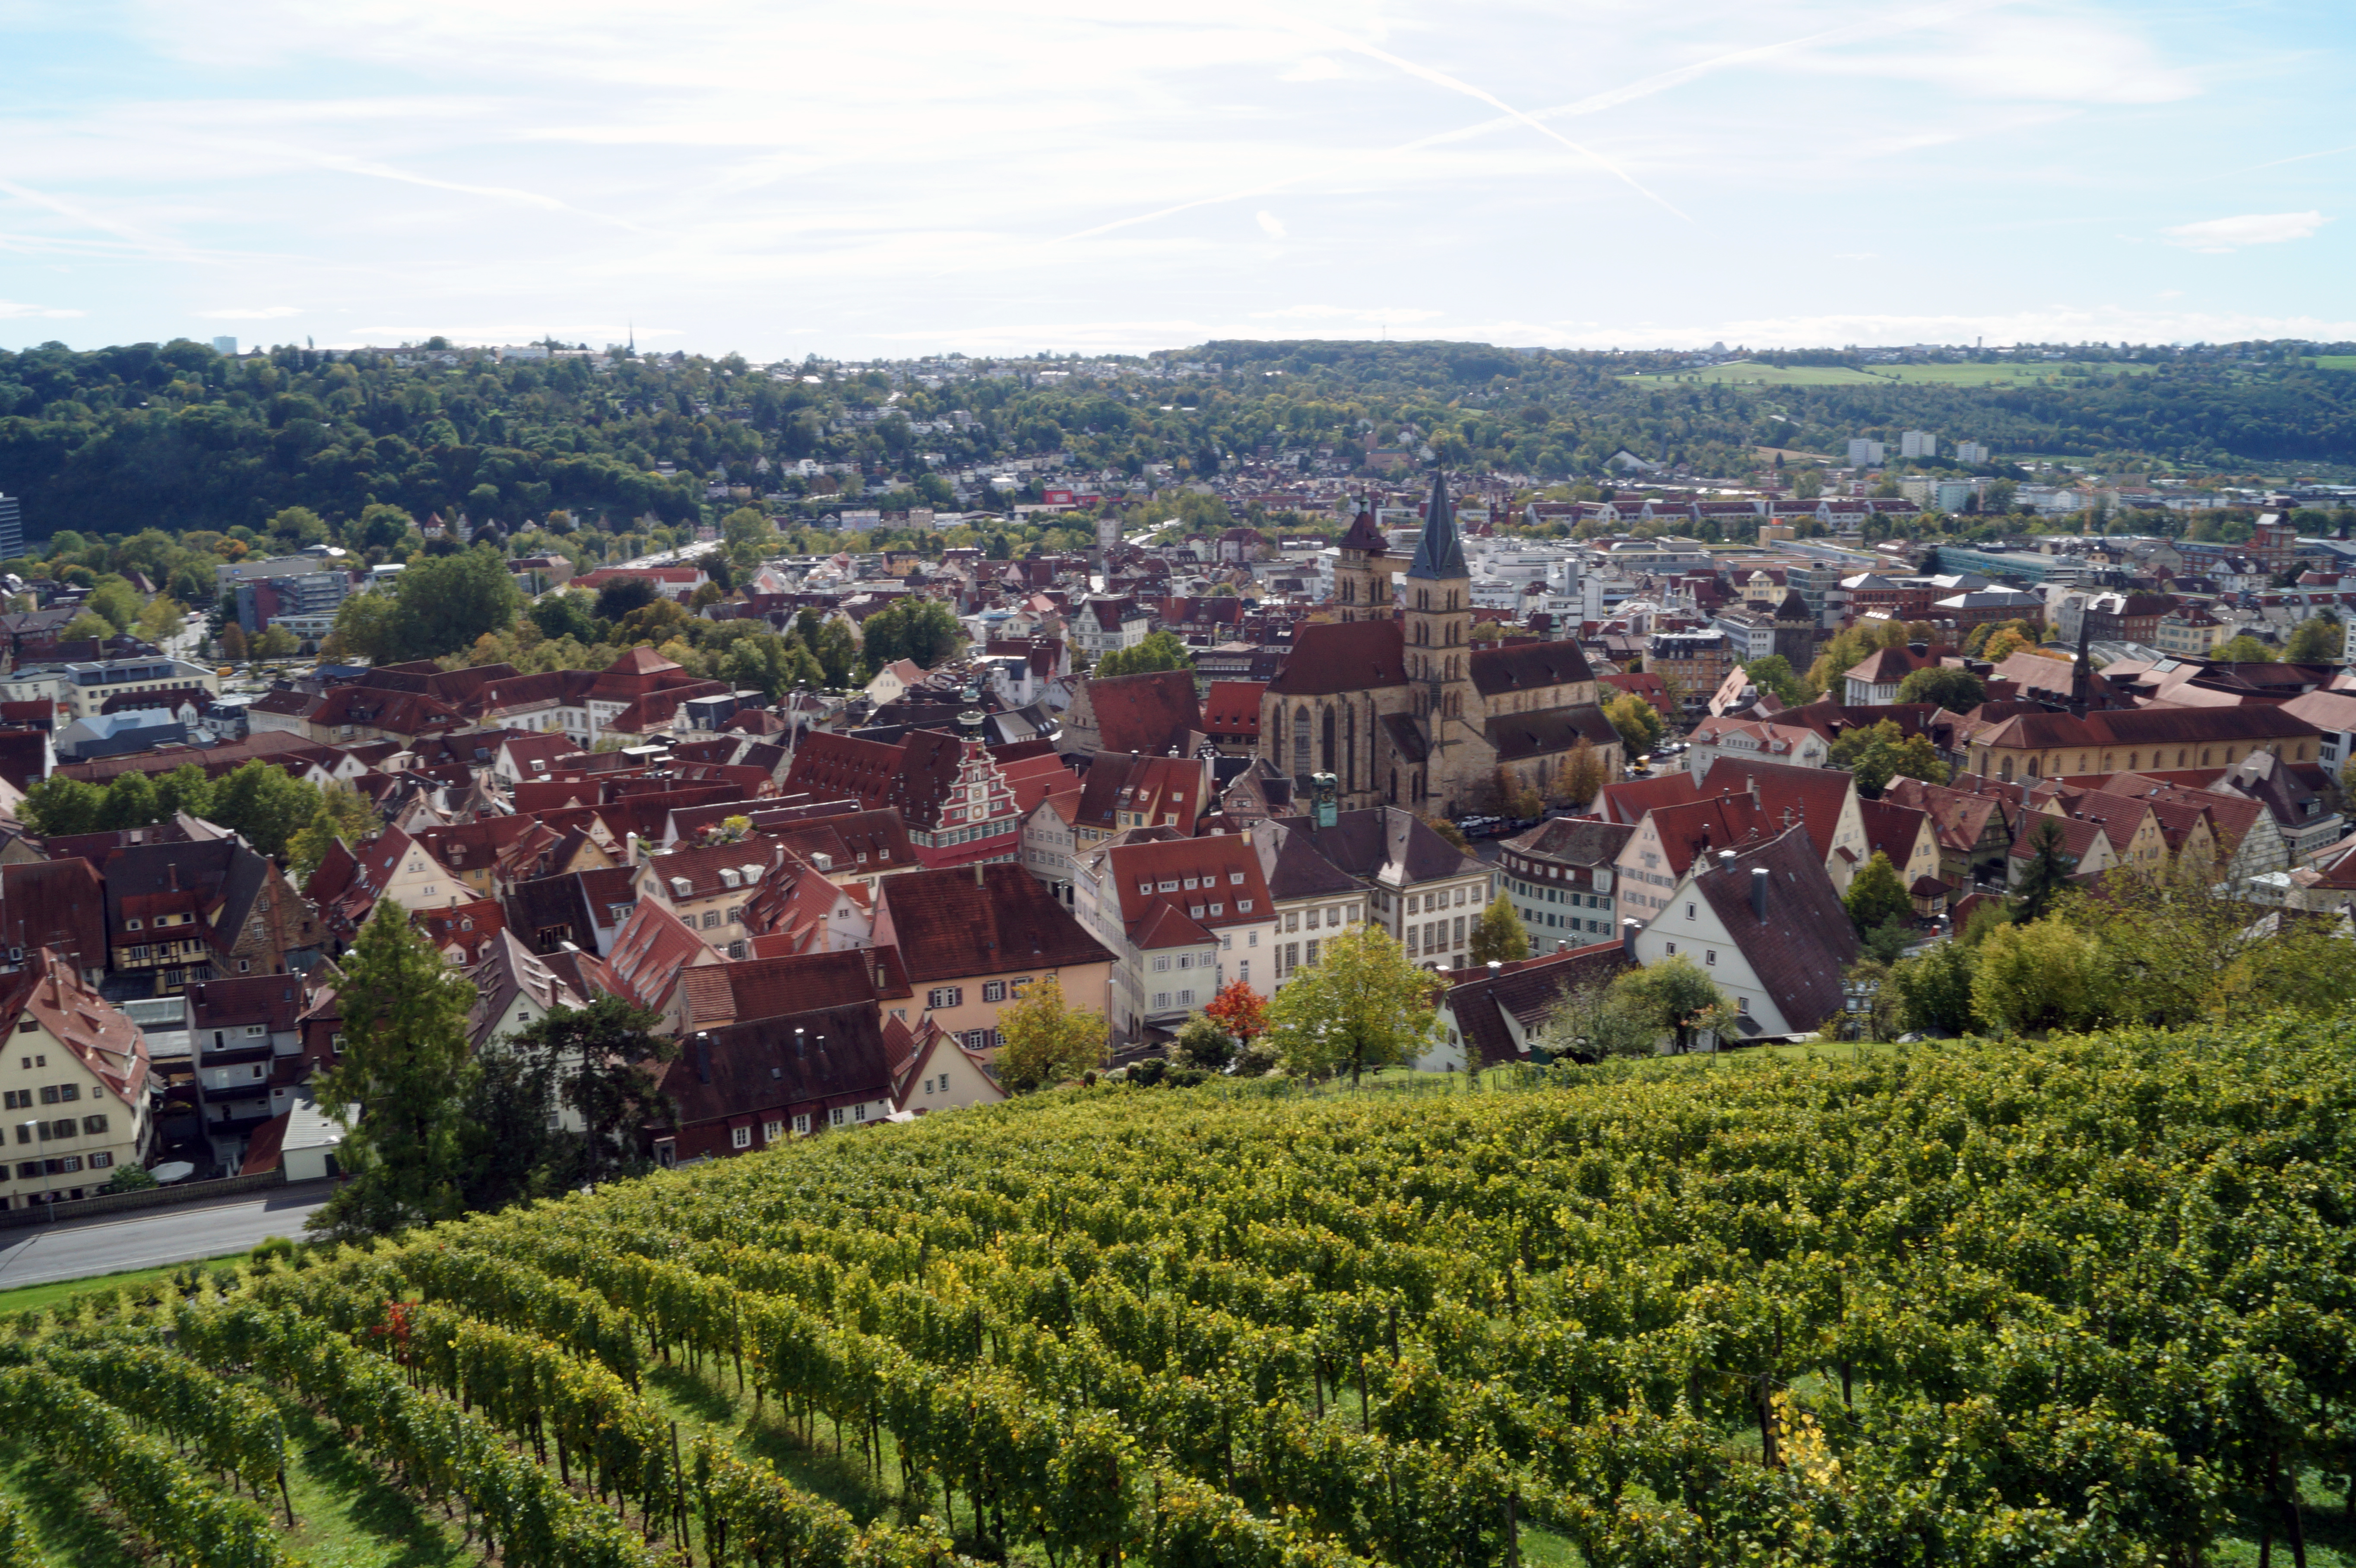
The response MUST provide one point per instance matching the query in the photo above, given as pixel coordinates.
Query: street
(72, 1249)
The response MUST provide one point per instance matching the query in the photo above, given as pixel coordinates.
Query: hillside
(174, 436)
(2079, 1302)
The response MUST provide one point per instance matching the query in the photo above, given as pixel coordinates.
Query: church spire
(1440, 555)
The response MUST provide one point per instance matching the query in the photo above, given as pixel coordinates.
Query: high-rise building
(1918, 444)
(1864, 453)
(12, 528)
(1971, 452)
(224, 345)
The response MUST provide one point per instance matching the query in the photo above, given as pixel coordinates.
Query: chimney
(1726, 859)
(702, 1057)
(172, 875)
(1628, 930)
(978, 880)
(1758, 892)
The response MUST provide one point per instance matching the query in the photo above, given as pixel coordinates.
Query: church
(1403, 708)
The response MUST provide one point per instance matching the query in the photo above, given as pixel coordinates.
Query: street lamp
(48, 1188)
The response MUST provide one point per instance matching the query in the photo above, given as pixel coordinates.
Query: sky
(852, 180)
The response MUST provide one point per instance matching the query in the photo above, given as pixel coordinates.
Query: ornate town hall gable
(1410, 711)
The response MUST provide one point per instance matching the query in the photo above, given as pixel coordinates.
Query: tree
(566, 615)
(1674, 996)
(1877, 752)
(397, 1087)
(1449, 831)
(59, 806)
(2244, 649)
(1580, 778)
(1933, 990)
(1239, 1010)
(514, 1147)
(748, 535)
(1957, 689)
(1364, 1005)
(1043, 1041)
(2049, 867)
(1596, 1021)
(160, 619)
(1159, 651)
(1498, 935)
(185, 789)
(1202, 1044)
(2033, 978)
(1774, 673)
(115, 602)
(605, 1055)
(621, 595)
(922, 630)
(342, 815)
(444, 604)
(277, 643)
(232, 637)
(1640, 727)
(1876, 896)
(265, 803)
(130, 802)
(770, 664)
(2318, 639)
(2005, 644)
(87, 628)
(2175, 950)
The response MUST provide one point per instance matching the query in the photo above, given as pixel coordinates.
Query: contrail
(2295, 158)
(123, 231)
(1644, 87)
(1454, 84)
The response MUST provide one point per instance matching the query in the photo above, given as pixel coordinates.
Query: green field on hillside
(1755, 374)
(2083, 1301)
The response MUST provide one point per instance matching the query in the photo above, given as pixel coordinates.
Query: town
(885, 794)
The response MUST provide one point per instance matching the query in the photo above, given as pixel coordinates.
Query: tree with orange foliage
(1239, 1010)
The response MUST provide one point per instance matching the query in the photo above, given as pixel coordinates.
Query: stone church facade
(1403, 708)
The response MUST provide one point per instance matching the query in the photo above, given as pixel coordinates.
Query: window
(1162, 963)
(834, 1118)
(1292, 920)
(1186, 961)
(1218, 909)
(772, 1131)
(16, 1099)
(710, 920)
(1185, 999)
(48, 1093)
(100, 1161)
(1243, 971)
(1689, 912)
(944, 995)
(29, 1170)
(256, 1030)
(1672, 949)
(993, 990)
(1160, 1001)
(1709, 958)
(130, 925)
(801, 1123)
(1243, 906)
(740, 1138)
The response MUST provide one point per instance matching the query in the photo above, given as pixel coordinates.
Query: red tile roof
(947, 926)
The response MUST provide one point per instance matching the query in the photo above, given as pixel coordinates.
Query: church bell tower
(1439, 615)
(1362, 579)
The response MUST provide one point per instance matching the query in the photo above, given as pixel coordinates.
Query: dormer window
(130, 925)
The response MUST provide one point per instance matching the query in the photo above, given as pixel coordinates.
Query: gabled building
(1765, 924)
(933, 1070)
(76, 1086)
(746, 1087)
(1491, 1016)
(970, 939)
(959, 800)
(1560, 877)
(1180, 917)
(1421, 889)
(180, 914)
(246, 1042)
(1314, 900)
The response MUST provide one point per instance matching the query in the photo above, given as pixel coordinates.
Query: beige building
(74, 1087)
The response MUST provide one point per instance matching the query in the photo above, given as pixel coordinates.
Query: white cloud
(251, 312)
(11, 309)
(2218, 234)
(1272, 225)
(1316, 67)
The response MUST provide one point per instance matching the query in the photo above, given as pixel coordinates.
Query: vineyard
(2084, 1302)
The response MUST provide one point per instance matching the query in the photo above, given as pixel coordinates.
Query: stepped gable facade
(1406, 710)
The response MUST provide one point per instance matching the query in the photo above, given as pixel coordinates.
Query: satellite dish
(172, 1170)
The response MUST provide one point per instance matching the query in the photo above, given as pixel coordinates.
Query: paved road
(146, 1238)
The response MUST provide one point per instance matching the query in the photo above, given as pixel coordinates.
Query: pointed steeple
(1440, 556)
(1363, 534)
(2082, 670)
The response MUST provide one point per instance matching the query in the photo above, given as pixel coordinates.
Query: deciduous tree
(1239, 1010)
(1877, 895)
(605, 1055)
(1640, 727)
(1497, 936)
(1365, 1004)
(1676, 996)
(1043, 1040)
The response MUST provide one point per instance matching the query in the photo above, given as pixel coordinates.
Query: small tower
(1362, 579)
(1439, 613)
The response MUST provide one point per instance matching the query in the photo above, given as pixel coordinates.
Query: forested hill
(176, 436)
